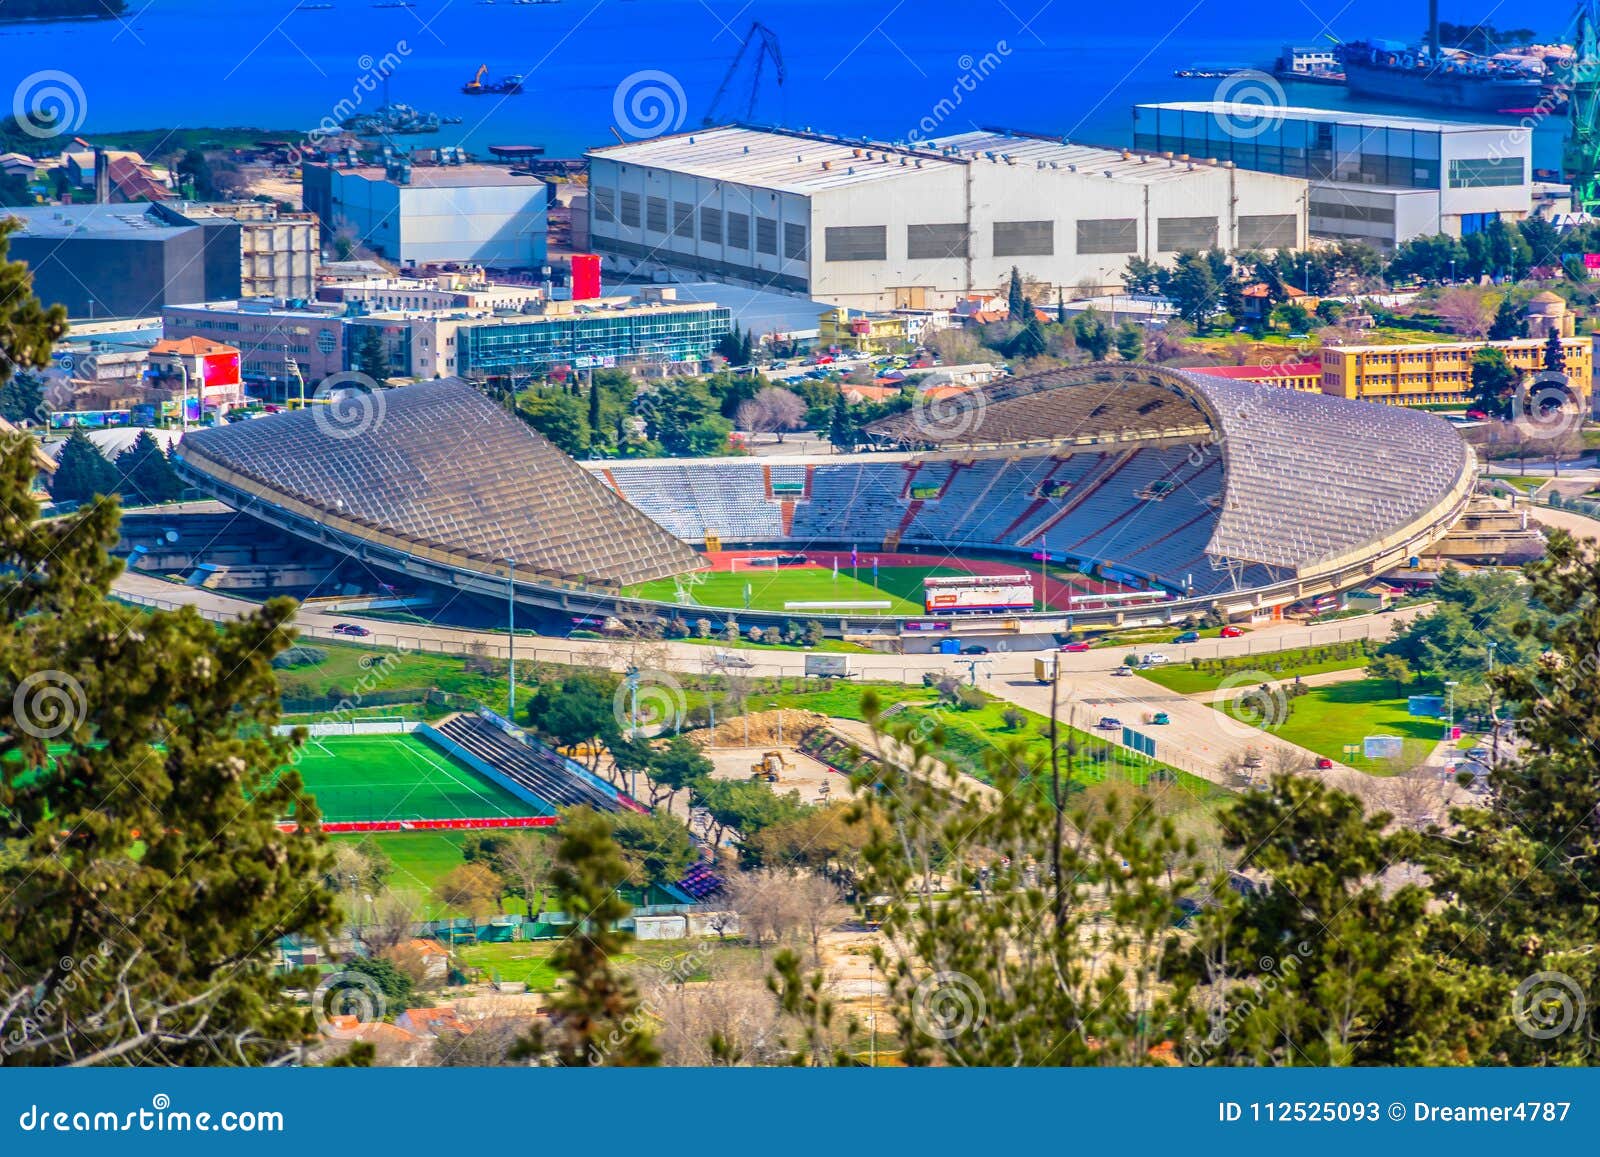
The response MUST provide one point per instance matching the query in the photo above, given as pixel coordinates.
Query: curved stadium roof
(1308, 478)
(439, 465)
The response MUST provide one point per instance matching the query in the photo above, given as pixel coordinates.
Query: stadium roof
(1307, 477)
(438, 465)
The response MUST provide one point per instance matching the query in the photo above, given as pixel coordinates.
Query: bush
(300, 656)
(970, 698)
(1014, 718)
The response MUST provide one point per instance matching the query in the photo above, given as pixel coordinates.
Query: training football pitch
(771, 587)
(397, 777)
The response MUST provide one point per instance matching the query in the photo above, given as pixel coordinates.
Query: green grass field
(1185, 680)
(397, 777)
(1326, 718)
(771, 588)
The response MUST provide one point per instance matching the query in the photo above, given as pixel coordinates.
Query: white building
(1379, 179)
(418, 215)
(874, 226)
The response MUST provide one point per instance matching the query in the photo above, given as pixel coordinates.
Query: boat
(312, 7)
(392, 118)
(1431, 74)
(508, 85)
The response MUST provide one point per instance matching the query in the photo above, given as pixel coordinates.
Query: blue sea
(594, 68)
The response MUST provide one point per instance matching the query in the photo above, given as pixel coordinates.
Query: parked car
(1122, 670)
(1188, 637)
(1231, 632)
(1479, 753)
(1159, 718)
(1075, 648)
(350, 629)
(1324, 763)
(974, 649)
(1109, 723)
(1152, 659)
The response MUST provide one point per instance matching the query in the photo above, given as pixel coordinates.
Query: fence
(352, 727)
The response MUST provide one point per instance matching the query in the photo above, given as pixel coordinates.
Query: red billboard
(585, 276)
(218, 371)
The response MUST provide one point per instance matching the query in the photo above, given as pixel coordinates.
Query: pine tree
(1507, 322)
(842, 426)
(145, 883)
(144, 473)
(596, 436)
(596, 1018)
(82, 472)
(22, 400)
(1016, 299)
(1061, 308)
(371, 357)
(1555, 357)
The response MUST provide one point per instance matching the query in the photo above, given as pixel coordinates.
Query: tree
(1393, 668)
(1494, 382)
(82, 472)
(1142, 277)
(596, 1018)
(22, 400)
(773, 410)
(1017, 307)
(1555, 357)
(474, 889)
(1090, 332)
(578, 711)
(525, 861)
(1129, 342)
(596, 427)
(731, 346)
(392, 982)
(672, 409)
(144, 882)
(1322, 962)
(743, 807)
(1508, 322)
(372, 359)
(145, 473)
(843, 430)
(1192, 287)
(1028, 342)
(656, 847)
(1466, 311)
(1431, 258)
(676, 766)
(559, 416)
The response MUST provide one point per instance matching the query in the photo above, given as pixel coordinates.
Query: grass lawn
(394, 777)
(770, 588)
(420, 859)
(353, 669)
(1326, 718)
(528, 961)
(1185, 680)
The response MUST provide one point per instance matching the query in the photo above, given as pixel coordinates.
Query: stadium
(1099, 495)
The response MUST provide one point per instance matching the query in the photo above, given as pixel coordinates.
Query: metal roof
(1031, 153)
(773, 158)
(1249, 112)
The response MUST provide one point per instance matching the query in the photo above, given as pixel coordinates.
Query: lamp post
(1450, 709)
(183, 397)
(780, 722)
(511, 632)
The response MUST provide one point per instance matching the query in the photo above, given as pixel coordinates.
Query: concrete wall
(100, 277)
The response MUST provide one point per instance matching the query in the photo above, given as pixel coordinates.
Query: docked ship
(1449, 78)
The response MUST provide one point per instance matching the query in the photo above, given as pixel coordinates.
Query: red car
(1231, 632)
(1075, 648)
(1476, 415)
(1324, 764)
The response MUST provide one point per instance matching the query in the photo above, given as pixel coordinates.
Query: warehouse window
(1173, 233)
(856, 243)
(630, 210)
(605, 204)
(794, 242)
(683, 219)
(766, 236)
(1268, 231)
(1342, 211)
(936, 242)
(1109, 235)
(655, 214)
(738, 230)
(1024, 238)
(1486, 172)
(710, 225)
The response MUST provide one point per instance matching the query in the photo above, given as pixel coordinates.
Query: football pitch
(397, 777)
(771, 587)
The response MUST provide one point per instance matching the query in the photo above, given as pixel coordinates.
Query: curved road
(1199, 739)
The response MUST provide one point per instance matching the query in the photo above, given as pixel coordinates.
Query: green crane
(1581, 80)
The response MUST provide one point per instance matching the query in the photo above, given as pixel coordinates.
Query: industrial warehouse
(877, 226)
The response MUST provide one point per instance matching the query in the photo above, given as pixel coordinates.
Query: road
(1200, 739)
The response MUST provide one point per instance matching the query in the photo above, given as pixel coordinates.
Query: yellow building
(1415, 375)
(872, 333)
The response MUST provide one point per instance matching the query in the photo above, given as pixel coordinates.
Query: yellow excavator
(771, 767)
(475, 86)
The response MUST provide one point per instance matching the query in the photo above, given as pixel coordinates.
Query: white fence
(353, 727)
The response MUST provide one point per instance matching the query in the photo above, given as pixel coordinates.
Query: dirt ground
(815, 782)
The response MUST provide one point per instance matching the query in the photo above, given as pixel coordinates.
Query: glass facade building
(1341, 148)
(623, 337)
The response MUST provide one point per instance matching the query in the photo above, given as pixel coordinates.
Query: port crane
(1582, 82)
(764, 42)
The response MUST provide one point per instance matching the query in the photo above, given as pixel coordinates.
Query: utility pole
(511, 632)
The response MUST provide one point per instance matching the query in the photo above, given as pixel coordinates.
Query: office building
(1412, 375)
(1378, 179)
